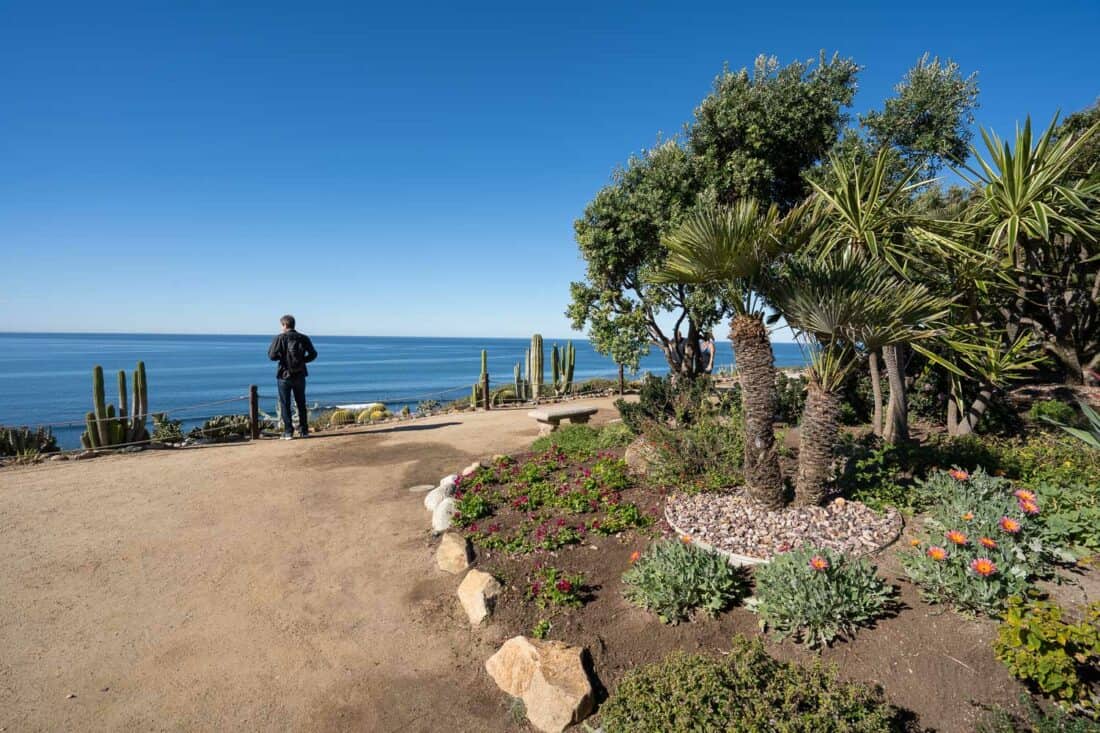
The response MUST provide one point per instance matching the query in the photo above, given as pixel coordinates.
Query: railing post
(622, 381)
(485, 400)
(254, 411)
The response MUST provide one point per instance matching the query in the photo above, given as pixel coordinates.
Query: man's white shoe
(288, 437)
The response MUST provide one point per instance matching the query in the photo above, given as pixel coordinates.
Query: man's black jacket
(278, 351)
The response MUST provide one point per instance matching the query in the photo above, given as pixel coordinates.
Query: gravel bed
(733, 523)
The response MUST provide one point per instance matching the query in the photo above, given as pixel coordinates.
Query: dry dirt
(260, 586)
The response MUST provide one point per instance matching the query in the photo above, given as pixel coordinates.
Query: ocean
(45, 378)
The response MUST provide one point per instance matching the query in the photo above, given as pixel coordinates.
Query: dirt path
(265, 586)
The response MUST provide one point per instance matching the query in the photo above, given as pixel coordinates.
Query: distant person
(708, 349)
(293, 351)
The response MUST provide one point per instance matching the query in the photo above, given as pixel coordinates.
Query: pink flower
(983, 566)
(818, 563)
(564, 585)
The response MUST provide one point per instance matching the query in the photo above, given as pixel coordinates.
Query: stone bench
(549, 417)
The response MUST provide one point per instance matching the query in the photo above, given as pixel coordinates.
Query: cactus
(536, 367)
(518, 386)
(104, 427)
(555, 367)
(568, 361)
(24, 442)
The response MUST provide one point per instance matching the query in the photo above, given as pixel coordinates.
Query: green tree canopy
(755, 134)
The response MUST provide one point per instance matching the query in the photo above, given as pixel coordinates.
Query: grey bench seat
(550, 417)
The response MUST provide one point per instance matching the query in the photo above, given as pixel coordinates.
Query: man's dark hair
(287, 321)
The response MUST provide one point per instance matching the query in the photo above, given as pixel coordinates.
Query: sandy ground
(265, 586)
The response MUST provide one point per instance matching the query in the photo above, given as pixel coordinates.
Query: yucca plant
(1090, 435)
(737, 246)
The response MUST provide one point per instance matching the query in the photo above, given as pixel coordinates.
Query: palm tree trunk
(896, 429)
(817, 441)
(756, 365)
(876, 392)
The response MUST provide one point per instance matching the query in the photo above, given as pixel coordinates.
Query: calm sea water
(45, 379)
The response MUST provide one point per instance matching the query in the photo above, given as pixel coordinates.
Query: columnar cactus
(103, 426)
(536, 367)
(521, 395)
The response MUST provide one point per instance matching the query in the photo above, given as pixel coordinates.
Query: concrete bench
(549, 417)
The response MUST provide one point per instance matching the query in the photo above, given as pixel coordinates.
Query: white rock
(433, 497)
(453, 553)
(469, 470)
(420, 489)
(449, 482)
(477, 593)
(442, 514)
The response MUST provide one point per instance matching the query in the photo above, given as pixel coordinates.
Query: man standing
(293, 351)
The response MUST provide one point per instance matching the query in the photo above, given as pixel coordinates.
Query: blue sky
(399, 168)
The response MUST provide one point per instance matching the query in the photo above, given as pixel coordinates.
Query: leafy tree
(928, 121)
(619, 237)
(756, 134)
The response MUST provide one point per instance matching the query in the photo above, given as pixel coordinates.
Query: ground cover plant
(980, 544)
(1058, 656)
(744, 692)
(673, 578)
(816, 595)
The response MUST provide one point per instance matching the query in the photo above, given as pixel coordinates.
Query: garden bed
(559, 531)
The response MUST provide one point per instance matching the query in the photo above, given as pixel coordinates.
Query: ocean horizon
(45, 378)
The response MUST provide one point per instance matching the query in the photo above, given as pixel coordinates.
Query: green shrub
(1055, 410)
(791, 397)
(980, 543)
(221, 427)
(165, 430)
(341, 417)
(706, 454)
(615, 435)
(673, 578)
(578, 442)
(667, 401)
(1070, 520)
(1049, 459)
(1058, 658)
(747, 691)
(23, 442)
(815, 595)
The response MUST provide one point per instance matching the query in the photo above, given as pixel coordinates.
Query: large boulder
(548, 676)
(446, 488)
(442, 515)
(640, 456)
(478, 593)
(453, 553)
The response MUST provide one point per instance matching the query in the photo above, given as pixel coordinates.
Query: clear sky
(399, 168)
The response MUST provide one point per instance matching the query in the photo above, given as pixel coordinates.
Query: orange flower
(956, 536)
(1024, 495)
(958, 474)
(818, 563)
(983, 566)
(1029, 507)
(914, 543)
(968, 516)
(1009, 525)
(988, 543)
(686, 539)
(937, 553)
(634, 557)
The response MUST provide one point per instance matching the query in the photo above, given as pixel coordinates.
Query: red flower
(956, 537)
(1009, 525)
(983, 566)
(937, 553)
(564, 585)
(818, 563)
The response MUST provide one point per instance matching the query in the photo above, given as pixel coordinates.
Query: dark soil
(933, 663)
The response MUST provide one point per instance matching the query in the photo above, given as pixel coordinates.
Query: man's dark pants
(296, 386)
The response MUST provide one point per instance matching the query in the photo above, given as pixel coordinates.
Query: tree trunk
(752, 349)
(817, 441)
(876, 392)
(968, 423)
(896, 429)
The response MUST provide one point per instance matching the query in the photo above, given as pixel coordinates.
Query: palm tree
(869, 210)
(736, 246)
(846, 302)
